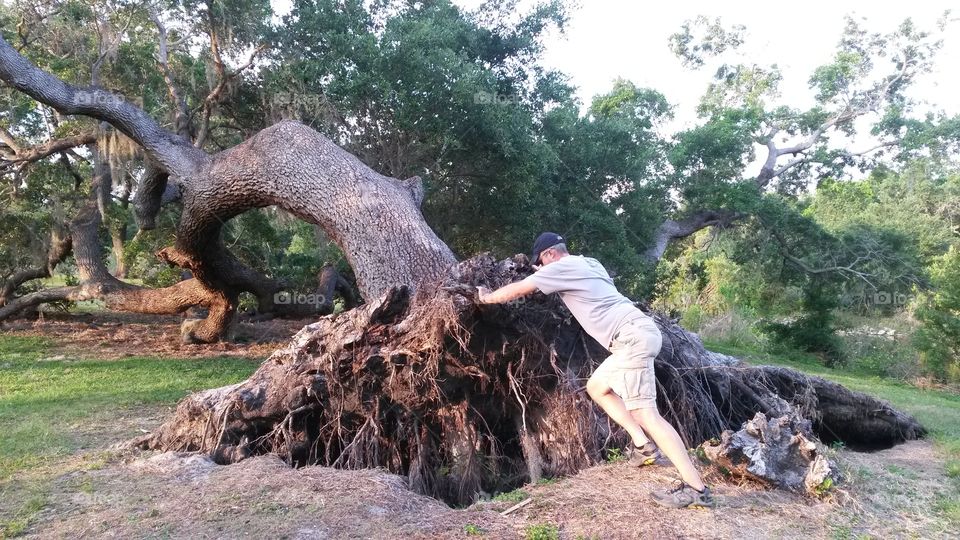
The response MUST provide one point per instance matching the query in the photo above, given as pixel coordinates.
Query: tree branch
(181, 113)
(223, 77)
(8, 139)
(848, 269)
(671, 230)
(24, 155)
(60, 247)
(172, 151)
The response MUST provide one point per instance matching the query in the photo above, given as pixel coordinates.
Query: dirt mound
(188, 496)
(890, 494)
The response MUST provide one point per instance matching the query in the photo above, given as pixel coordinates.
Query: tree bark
(778, 451)
(118, 240)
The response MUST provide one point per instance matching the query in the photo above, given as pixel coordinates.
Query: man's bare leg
(613, 405)
(669, 442)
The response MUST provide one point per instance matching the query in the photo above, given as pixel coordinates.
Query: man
(623, 385)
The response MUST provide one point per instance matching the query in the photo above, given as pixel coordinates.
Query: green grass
(615, 455)
(541, 531)
(43, 403)
(52, 407)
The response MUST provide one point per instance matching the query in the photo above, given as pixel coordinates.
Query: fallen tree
(465, 399)
(420, 380)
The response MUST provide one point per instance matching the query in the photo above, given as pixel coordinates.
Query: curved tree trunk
(233, 277)
(375, 220)
(462, 398)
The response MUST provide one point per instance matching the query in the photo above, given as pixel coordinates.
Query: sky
(606, 39)
(609, 39)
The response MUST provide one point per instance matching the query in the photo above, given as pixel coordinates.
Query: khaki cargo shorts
(629, 368)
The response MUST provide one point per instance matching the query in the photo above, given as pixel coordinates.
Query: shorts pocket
(641, 383)
(626, 337)
(631, 384)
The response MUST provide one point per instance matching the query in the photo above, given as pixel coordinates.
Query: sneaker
(640, 456)
(683, 496)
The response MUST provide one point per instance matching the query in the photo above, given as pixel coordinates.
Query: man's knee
(596, 386)
(646, 414)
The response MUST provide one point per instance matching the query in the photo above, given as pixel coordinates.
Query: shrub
(938, 338)
(814, 330)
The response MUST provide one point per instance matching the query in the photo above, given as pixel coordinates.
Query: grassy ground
(938, 411)
(60, 412)
(54, 408)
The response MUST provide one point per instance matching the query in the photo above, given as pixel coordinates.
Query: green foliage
(514, 496)
(541, 531)
(615, 455)
(881, 356)
(473, 530)
(949, 507)
(823, 487)
(702, 38)
(139, 253)
(814, 330)
(938, 337)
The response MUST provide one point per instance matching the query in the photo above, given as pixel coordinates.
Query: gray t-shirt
(588, 292)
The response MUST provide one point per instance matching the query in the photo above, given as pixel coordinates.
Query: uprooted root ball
(466, 399)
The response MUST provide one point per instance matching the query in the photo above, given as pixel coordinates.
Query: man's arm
(506, 293)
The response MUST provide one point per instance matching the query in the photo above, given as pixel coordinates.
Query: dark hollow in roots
(465, 400)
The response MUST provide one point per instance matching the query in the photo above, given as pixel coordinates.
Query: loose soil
(112, 335)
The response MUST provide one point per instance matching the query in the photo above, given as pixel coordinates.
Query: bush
(881, 356)
(814, 330)
(736, 327)
(938, 338)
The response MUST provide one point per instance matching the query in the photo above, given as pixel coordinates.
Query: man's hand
(504, 294)
(482, 292)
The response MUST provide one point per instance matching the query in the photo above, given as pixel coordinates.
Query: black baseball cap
(544, 241)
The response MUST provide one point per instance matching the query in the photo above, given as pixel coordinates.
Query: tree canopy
(852, 196)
